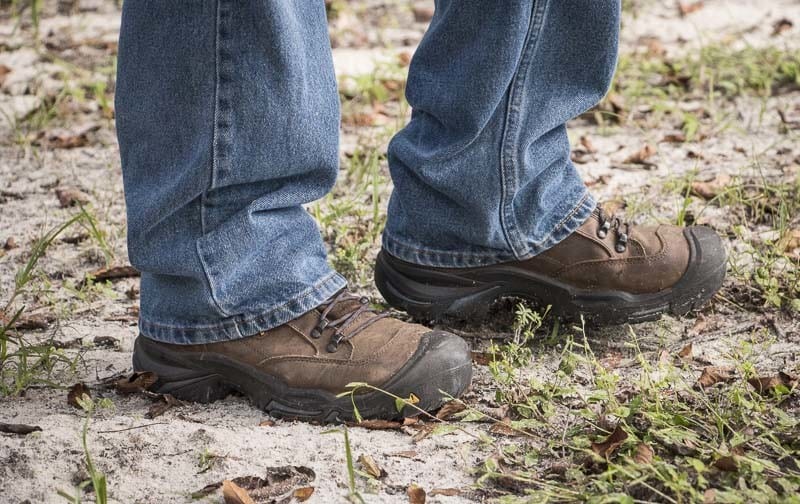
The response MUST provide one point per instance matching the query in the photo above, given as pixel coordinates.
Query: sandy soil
(158, 460)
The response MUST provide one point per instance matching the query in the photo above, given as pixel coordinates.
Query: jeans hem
(242, 326)
(485, 257)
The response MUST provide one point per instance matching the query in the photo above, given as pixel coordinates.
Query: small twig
(132, 428)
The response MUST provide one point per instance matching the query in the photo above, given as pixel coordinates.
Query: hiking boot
(607, 270)
(296, 370)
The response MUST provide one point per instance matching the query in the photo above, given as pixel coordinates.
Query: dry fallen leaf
(447, 492)
(609, 445)
(410, 454)
(266, 423)
(136, 382)
(726, 463)
(20, 429)
(165, 402)
(641, 156)
(644, 454)
(371, 467)
(423, 14)
(416, 495)
(71, 196)
(712, 188)
(768, 385)
(234, 494)
(790, 242)
(10, 244)
(67, 139)
(686, 352)
(114, 272)
(712, 375)
(76, 392)
(450, 408)
(303, 494)
(481, 358)
(587, 144)
(685, 9)
(781, 25)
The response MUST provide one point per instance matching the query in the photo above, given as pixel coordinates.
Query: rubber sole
(441, 363)
(441, 295)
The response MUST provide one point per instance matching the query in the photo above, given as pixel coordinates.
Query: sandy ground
(157, 461)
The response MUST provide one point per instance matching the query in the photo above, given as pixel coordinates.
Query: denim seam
(214, 157)
(508, 157)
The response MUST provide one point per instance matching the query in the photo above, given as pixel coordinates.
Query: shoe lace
(347, 320)
(609, 222)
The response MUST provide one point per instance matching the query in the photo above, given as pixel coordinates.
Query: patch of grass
(650, 86)
(24, 363)
(352, 217)
(643, 433)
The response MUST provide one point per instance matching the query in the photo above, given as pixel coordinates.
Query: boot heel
(182, 383)
(436, 297)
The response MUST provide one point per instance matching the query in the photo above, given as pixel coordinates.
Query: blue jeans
(228, 115)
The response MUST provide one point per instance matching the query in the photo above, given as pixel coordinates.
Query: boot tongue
(343, 308)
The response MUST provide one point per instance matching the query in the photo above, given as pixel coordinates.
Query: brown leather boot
(607, 270)
(296, 370)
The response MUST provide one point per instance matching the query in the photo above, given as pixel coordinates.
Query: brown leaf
(11, 243)
(450, 408)
(165, 402)
(686, 352)
(114, 272)
(641, 156)
(780, 26)
(644, 454)
(416, 495)
(302, 494)
(77, 391)
(4, 70)
(20, 429)
(726, 463)
(790, 241)
(712, 188)
(685, 9)
(674, 138)
(71, 196)
(136, 382)
(371, 467)
(768, 385)
(422, 14)
(481, 358)
(447, 492)
(266, 423)
(609, 445)
(712, 375)
(377, 424)
(67, 139)
(234, 494)
(587, 144)
(504, 428)
(34, 321)
(410, 454)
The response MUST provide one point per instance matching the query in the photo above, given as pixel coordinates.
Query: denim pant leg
(482, 172)
(227, 116)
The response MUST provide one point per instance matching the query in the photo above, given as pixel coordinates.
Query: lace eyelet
(622, 243)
